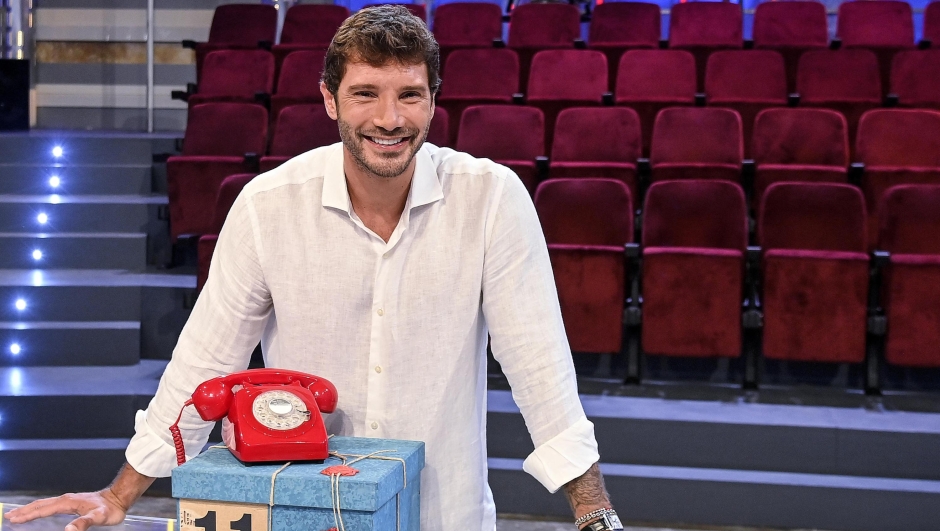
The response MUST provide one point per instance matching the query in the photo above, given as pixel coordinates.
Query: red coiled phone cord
(177, 438)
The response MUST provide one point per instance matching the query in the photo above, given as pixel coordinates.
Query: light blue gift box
(381, 496)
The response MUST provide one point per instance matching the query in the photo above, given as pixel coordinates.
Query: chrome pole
(150, 36)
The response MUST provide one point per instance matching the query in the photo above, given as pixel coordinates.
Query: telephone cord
(178, 438)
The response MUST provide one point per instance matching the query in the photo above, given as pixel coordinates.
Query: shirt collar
(425, 185)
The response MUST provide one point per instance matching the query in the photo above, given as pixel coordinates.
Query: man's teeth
(386, 141)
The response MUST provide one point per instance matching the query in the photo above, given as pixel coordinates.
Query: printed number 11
(207, 522)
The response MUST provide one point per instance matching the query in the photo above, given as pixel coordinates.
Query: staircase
(87, 319)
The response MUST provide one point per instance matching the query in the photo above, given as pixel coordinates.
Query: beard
(387, 165)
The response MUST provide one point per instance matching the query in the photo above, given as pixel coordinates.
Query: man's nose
(387, 114)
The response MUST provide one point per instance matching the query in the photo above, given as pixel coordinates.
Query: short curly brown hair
(378, 35)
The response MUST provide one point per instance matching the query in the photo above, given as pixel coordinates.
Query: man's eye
(411, 95)
(363, 94)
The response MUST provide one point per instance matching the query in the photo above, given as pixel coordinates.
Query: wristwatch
(606, 520)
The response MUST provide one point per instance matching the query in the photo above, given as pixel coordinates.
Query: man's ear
(329, 101)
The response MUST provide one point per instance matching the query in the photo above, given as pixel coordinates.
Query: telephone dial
(275, 414)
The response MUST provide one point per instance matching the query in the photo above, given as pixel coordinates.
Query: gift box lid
(218, 475)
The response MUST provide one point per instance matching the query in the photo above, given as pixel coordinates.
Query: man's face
(383, 114)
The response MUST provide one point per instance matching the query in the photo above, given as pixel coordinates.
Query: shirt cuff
(564, 457)
(148, 453)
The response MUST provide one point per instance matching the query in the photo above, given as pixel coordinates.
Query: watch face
(280, 410)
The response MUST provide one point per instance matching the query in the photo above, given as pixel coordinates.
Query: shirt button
(375, 425)
(378, 369)
(381, 312)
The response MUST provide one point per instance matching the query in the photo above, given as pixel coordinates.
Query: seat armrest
(518, 98)
(748, 44)
(265, 45)
(579, 44)
(856, 171)
(498, 43)
(188, 43)
(924, 44)
(892, 100)
(541, 167)
(263, 98)
(793, 99)
(700, 99)
(835, 44)
(253, 160)
(607, 99)
(178, 145)
(663, 44)
(880, 259)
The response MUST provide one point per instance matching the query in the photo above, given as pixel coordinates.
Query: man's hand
(587, 492)
(105, 507)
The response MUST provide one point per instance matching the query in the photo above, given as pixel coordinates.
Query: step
(722, 497)
(74, 250)
(38, 147)
(121, 179)
(741, 435)
(75, 402)
(79, 213)
(98, 343)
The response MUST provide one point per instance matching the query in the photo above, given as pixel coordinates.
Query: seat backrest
(225, 129)
(439, 129)
(915, 77)
(899, 137)
(300, 128)
(695, 213)
(544, 25)
(910, 219)
(656, 75)
(801, 136)
(243, 24)
(932, 22)
(417, 10)
(597, 134)
(228, 191)
(481, 72)
(839, 75)
(813, 216)
(574, 75)
(237, 73)
(626, 23)
(585, 211)
(468, 24)
(697, 134)
(705, 24)
(299, 73)
(876, 23)
(795, 24)
(502, 132)
(746, 76)
(312, 23)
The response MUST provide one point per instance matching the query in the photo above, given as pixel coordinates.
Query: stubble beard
(386, 167)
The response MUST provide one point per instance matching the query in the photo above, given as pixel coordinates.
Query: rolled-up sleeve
(520, 304)
(225, 326)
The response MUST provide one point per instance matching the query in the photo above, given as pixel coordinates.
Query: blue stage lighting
(42, 218)
(54, 181)
(57, 151)
(20, 304)
(15, 349)
(37, 254)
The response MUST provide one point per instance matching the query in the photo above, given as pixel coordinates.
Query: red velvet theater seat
(236, 76)
(535, 27)
(229, 189)
(308, 27)
(694, 240)
(697, 143)
(915, 79)
(218, 137)
(648, 81)
(478, 77)
(791, 28)
(910, 231)
(747, 81)
(815, 272)
(439, 130)
(513, 135)
(932, 22)
(842, 80)
(897, 146)
(238, 26)
(703, 28)
(597, 142)
(882, 26)
(299, 80)
(565, 78)
(809, 145)
(586, 224)
(460, 25)
(620, 26)
(299, 128)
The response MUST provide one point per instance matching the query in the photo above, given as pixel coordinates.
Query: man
(382, 264)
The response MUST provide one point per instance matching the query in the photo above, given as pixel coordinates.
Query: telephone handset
(275, 414)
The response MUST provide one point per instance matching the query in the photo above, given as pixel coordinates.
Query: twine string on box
(334, 484)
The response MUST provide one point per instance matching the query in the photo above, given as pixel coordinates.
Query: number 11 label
(199, 515)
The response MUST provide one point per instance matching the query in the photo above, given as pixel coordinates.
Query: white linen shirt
(399, 327)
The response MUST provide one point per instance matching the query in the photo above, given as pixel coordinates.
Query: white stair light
(55, 181)
(55, 199)
(20, 304)
(15, 349)
(57, 151)
(37, 254)
(42, 218)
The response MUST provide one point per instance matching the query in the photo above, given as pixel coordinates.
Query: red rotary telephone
(275, 414)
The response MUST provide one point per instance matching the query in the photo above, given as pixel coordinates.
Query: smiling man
(383, 264)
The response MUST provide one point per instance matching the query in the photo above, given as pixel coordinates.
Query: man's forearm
(587, 492)
(128, 487)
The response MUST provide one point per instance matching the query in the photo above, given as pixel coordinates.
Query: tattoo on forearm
(587, 491)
